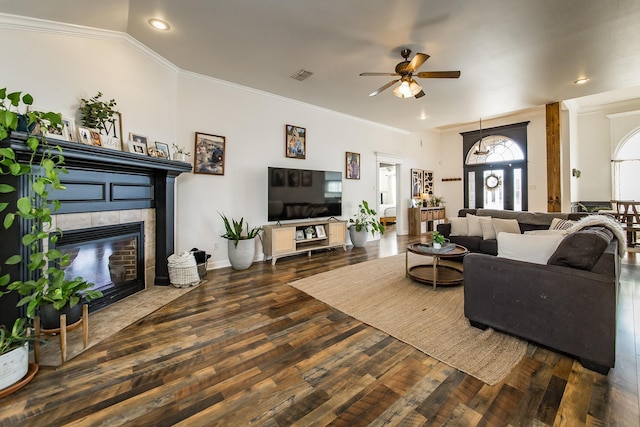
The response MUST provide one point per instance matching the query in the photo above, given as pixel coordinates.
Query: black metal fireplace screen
(111, 257)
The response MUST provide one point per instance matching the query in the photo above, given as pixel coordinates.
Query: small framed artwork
(136, 137)
(84, 135)
(163, 150)
(137, 147)
(70, 128)
(353, 165)
(299, 234)
(96, 139)
(210, 150)
(416, 183)
(295, 142)
(320, 231)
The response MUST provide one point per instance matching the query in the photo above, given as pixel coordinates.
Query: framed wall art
(210, 150)
(353, 165)
(295, 142)
(84, 135)
(136, 137)
(163, 150)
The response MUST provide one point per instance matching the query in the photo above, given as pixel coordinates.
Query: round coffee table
(436, 273)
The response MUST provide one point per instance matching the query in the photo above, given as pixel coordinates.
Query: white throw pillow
(534, 248)
(487, 228)
(475, 229)
(505, 226)
(459, 226)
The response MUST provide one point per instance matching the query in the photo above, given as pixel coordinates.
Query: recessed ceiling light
(581, 80)
(159, 24)
(423, 116)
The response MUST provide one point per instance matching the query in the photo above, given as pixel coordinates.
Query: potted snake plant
(241, 245)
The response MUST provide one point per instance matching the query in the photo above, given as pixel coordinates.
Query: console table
(419, 215)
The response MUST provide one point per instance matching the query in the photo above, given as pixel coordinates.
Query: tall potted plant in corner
(363, 221)
(45, 282)
(240, 245)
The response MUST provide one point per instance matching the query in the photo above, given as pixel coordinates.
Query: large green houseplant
(98, 114)
(363, 221)
(241, 246)
(45, 282)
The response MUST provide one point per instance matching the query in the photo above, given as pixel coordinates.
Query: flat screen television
(303, 193)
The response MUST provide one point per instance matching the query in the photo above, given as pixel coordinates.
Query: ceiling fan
(409, 87)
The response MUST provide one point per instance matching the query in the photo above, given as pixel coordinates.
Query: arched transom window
(492, 149)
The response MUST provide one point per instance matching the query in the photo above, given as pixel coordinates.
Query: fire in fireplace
(111, 257)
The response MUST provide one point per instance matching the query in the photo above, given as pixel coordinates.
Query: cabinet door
(337, 233)
(284, 240)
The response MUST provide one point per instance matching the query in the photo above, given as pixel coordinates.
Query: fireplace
(111, 257)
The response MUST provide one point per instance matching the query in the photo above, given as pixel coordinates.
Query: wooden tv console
(282, 240)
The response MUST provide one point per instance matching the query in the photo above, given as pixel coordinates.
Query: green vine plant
(98, 114)
(46, 282)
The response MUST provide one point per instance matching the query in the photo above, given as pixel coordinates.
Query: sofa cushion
(472, 243)
(561, 224)
(582, 249)
(473, 222)
(459, 226)
(489, 246)
(505, 226)
(534, 248)
(488, 231)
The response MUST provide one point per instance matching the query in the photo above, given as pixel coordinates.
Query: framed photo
(163, 150)
(320, 231)
(137, 147)
(353, 165)
(295, 142)
(210, 150)
(136, 137)
(307, 178)
(70, 128)
(84, 135)
(299, 234)
(55, 132)
(96, 138)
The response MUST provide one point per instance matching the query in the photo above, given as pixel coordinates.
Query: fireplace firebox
(111, 257)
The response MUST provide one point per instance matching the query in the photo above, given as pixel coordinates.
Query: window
(626, 169)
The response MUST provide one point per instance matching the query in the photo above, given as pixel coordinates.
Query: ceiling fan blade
(420, 94)
(438, 74)
(417, 62)
(388, 85)
(379, 74)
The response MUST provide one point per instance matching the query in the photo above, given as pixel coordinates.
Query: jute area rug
(378, 294)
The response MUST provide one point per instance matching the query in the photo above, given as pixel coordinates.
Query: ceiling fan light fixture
(407, 89)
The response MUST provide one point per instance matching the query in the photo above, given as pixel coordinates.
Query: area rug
(378, 294)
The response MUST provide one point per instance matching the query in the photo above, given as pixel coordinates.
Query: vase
(50, 317)
(437, 245)
(241, 255)
(358, 238)
(14, 365)
(181, 157)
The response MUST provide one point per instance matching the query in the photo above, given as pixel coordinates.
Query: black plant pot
(50, 317)
(22, 123)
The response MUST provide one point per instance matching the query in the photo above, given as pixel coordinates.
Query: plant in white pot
(180, 153)
(438, 240)
(14, 353)
(363, 221)
(241, 245)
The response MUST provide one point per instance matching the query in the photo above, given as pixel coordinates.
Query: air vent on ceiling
(301, 74)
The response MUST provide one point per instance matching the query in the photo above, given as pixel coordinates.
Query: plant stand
(62, 331)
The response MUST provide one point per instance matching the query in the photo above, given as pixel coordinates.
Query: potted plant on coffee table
(363, 221)
(241, 245)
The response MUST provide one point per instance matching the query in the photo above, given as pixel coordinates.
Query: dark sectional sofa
(569, 306)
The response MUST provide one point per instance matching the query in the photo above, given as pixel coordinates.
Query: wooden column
(554, 193)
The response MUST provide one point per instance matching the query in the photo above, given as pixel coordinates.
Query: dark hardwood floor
(247, 349)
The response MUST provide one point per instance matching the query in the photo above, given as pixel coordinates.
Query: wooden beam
(554, 192)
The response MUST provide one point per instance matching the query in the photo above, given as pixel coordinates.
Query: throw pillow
(475, 229)
(547, 232)
(505, 226)
(487, 228)
(533, 248)
(561, 224)
(581, 249)
(459, 226)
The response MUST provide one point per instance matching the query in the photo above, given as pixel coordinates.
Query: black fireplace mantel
(102, 179)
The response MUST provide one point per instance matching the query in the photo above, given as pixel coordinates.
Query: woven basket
(183, 271)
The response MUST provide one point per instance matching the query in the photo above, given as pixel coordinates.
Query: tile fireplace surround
(104, 187)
